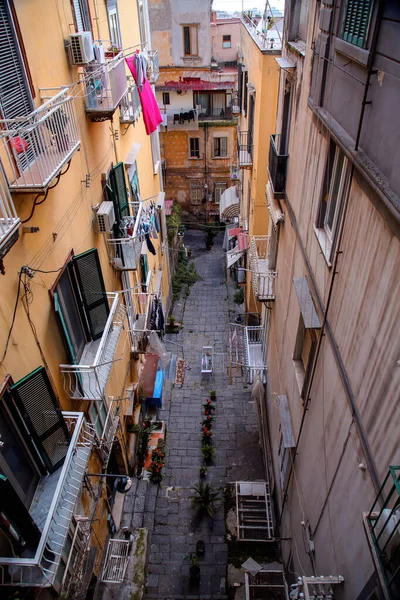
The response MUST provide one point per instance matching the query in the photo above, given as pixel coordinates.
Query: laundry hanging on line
(151, 113)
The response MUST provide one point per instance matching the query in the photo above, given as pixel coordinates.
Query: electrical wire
(13, 317)
(36, 203)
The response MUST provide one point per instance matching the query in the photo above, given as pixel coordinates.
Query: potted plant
(141, 395)
(210, 235)
(238, 299)
(206, 435)
(213, 395)
(194, 569)
(200, 548)
(112, 51)
(207, 421)
(203, 471)
(208, 453)
(204, 497)
(208, 406)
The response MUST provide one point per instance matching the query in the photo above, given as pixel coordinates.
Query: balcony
(153, 69)
(245, 149)
(247, 350)
(184, 120)
(229, 204)
(124, 252)
(9, 220)
(88, 379)
(215, 114)
(262, 277)
(37, 146)
(130, 107)
(277, 166)
(52, 510)
(109, 430)
(382, 526)
(105, 86)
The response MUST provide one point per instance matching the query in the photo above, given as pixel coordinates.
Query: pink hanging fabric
(151, 113)
(242, 241)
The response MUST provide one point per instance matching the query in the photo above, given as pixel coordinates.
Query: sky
(232, 5)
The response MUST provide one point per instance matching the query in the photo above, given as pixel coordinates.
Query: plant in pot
(208, 453)
(208, 406)
(210, 235)
(203, 471)
(112, 51)
(238, 299)
(207, 421)
(206, 435)
(213, 395)
(205, 497)
(141, 395)
(194, 569)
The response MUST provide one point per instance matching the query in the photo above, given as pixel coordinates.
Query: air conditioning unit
(105, 217)
(81, 48)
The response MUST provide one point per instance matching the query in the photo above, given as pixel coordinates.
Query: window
(298, 20)
(155, 150)
(356, 20)
(303, 356)
(195, 192)
(194, 147)
(226, 41)
(287, 443)
(333, 192)
(113, 23)
(190, 40)
(82, 15)
(219, 188)
(15, 90)
(220, 147)
(165, 98)
(142, 22)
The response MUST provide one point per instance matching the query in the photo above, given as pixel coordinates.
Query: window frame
(339, 180)
(226, 41)
(344, 18)
(155, 151)
(165, 95)
(192, 27)
(217, 148)
(195, 186)
(221, 186)
(194, 153)
(302, 370)
(112, 11)
(84, 14)
(142, 22)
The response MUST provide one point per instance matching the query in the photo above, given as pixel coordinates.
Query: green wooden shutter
(93, 292)
(64, 329)
(41, 413)
(120, 195)
(356, 22)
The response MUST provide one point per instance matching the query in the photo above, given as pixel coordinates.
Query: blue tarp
(156, 400)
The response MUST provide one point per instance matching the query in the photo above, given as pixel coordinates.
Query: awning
(284, 63)
(274, 208)
(233, 256)
(229, 204)
(307, 308)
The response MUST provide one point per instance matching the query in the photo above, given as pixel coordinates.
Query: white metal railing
(130, 104)
(266, 39)
(116, 562)
(38, 145)
(80, 546)
(109, 430)
(41, 569)
(105, 85)
(263, 278)
(247, 349)
(9, 220)
(124, 252)
(88, 382)
(153, 69)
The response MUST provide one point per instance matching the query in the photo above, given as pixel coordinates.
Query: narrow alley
(174, 528)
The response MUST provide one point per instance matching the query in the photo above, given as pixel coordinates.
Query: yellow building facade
(84, 261)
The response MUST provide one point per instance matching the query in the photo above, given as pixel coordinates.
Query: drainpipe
(372, 470)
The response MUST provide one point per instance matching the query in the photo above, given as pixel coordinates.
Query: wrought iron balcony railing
(88, 380)
(247, 350)
(245, 148)
(105, 86)
(9, 220)
(130, 107)
(382, 526)
(216, 114)
(109, 430)
(38, 145)
(153, 69)
(41, 570)
(263, 278)
(277, 165)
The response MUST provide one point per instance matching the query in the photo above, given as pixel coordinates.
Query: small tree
(204, 498)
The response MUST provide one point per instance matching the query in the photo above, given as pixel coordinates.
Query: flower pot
(194, 573)
(200, 547)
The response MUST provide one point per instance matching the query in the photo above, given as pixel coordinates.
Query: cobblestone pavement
(174, 526)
